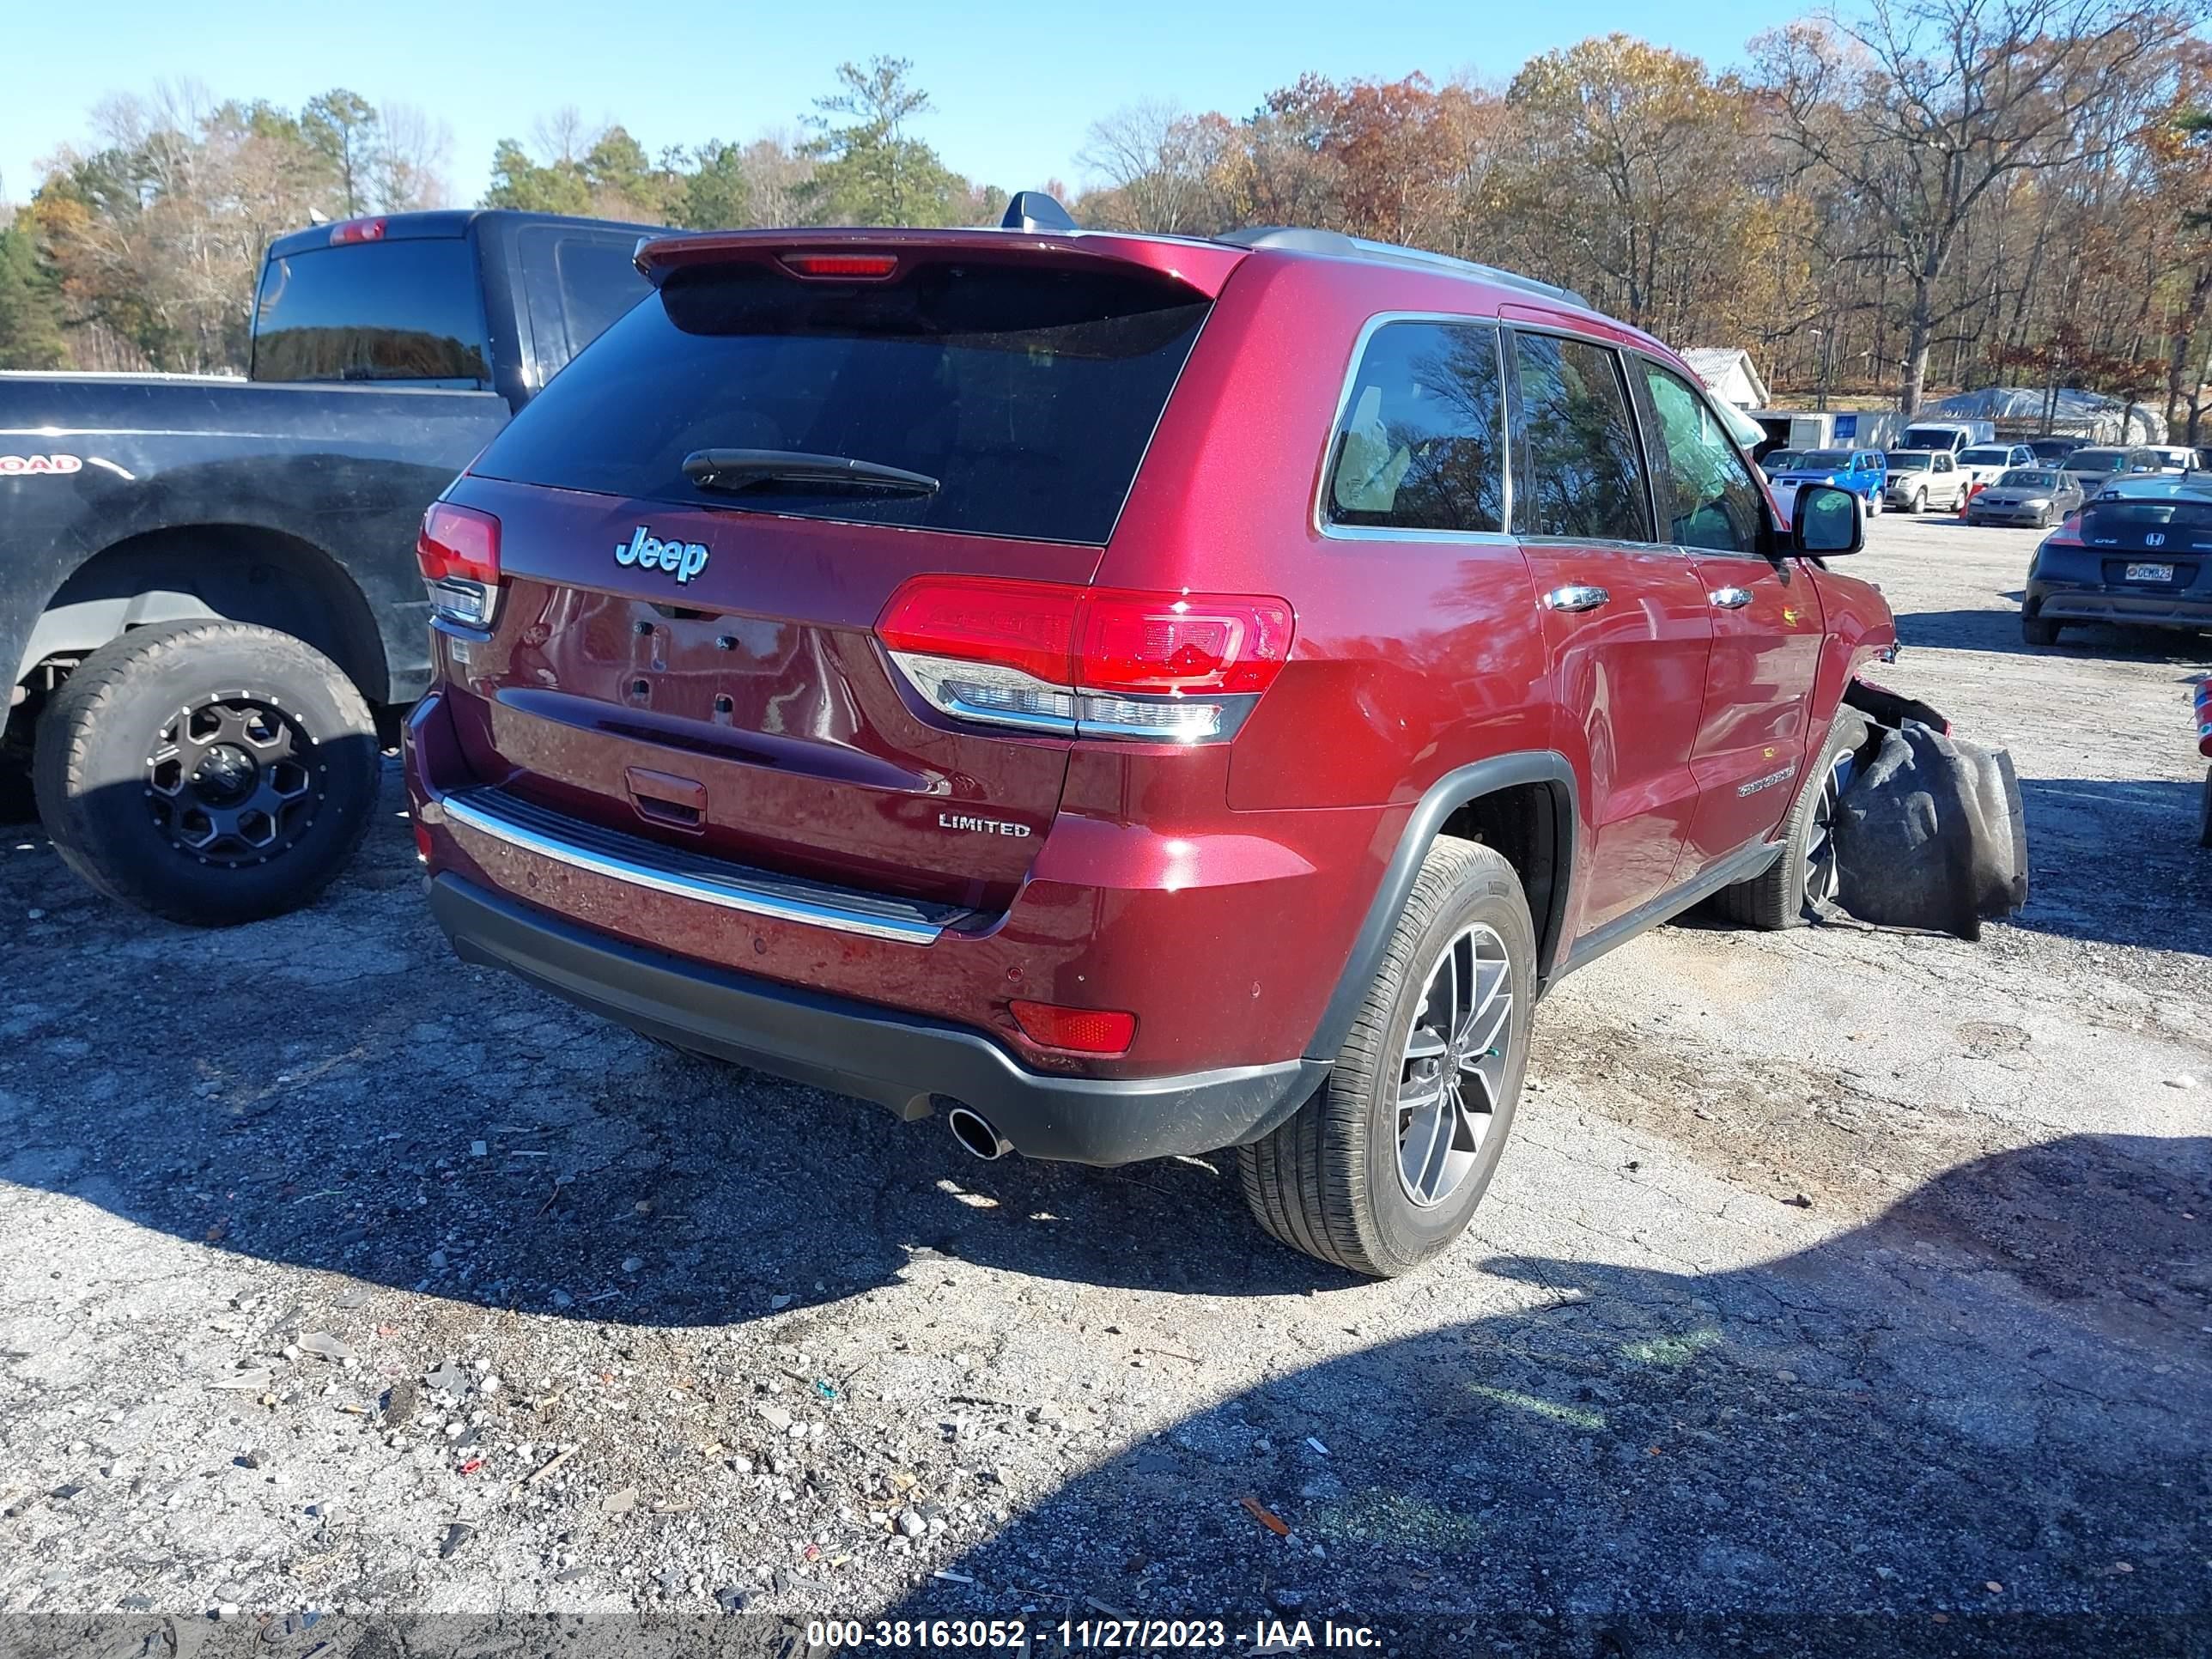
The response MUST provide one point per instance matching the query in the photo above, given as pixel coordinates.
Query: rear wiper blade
(735, 470)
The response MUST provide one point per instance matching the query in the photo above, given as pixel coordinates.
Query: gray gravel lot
(1837, 1272)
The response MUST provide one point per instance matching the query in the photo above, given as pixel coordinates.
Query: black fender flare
(1456, 788)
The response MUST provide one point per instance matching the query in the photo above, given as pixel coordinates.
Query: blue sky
(1015, 84)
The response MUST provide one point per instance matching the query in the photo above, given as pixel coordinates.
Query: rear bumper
(899, 1061)
(2055, 602)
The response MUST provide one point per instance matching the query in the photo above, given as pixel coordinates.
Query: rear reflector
(1092, 662)
(459, 551)
(1079, 1030)
(840, 265)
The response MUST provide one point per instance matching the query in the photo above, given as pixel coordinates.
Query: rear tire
(2036, 631)
(1333, 1181)
(1919, 502)
(210, 772)
(1796, 885)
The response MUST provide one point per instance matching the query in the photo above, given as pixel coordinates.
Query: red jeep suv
(1143, 695)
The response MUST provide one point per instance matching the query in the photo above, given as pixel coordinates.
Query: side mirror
(1825, 520)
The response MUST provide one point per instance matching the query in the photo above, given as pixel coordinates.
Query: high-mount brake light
(1084, 661)
(459, 551)
(356, 230)
(840, 265)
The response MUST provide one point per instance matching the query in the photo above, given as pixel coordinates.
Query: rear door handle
(1730, 599)
(1577, 596)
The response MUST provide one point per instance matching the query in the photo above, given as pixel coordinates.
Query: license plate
(2150, 572)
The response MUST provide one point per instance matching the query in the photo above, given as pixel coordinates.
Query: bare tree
(564, 136)
(1159, 161)
(410, 169)
(1924, 107)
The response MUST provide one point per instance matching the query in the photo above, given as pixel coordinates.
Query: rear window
(2092, 460)
(1825, 460)
(1910, 460)
(1028, 393)
(2183, 525)
(1986, 457)
(373, 310)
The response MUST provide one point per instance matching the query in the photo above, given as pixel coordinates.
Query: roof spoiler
(1200, 267)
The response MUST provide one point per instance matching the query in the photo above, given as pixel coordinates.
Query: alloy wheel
(1822, 879)
(230, 780)
(1457, 1059)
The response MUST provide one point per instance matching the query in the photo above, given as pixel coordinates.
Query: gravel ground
(1848, 1279)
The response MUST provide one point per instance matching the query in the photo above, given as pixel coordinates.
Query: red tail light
(1087, 661)
(459, 551)
(357, 230)
(2069, 532)
(1029, 627)
(842, 264)
(1101, 1032)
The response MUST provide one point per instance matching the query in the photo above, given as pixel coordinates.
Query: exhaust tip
(975, 1132)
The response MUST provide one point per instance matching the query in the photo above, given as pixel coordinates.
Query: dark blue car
(2139, 552)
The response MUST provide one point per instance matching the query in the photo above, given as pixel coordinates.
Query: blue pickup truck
(1865, 472)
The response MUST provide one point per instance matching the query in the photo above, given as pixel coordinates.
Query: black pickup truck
(209, 598)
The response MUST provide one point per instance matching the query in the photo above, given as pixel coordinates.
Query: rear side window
(1028, 393)
(1421, 445)
(1586, 473)
(578, 284)
(373, 310)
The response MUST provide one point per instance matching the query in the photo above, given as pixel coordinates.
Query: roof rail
(1495, 274)
(1298, 239)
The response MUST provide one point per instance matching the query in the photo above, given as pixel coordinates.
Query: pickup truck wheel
(1798, 884)
(1382, 1167)
(210, 772)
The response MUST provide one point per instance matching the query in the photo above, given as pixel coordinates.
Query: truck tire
(1375, 1173)
(210, 772)
(1795, 887)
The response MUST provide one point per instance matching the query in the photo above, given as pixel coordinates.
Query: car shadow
(1999, 630)
(2116, 862)
(1987, 1403)
(332, 1089)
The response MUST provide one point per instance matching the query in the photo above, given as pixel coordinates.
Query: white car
(1984, 464)
(1923, 478)
(2157, 458)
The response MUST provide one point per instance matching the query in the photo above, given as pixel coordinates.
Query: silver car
(2035, 495)
(2092, 467)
